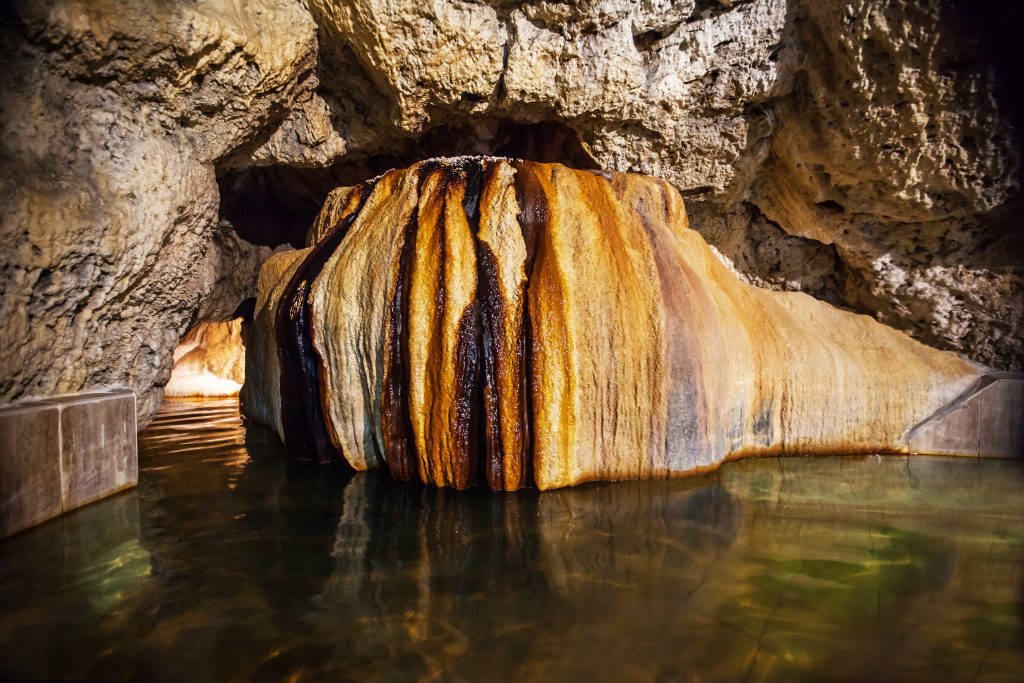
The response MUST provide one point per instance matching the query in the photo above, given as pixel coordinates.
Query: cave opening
(274, 205)
(209, 361)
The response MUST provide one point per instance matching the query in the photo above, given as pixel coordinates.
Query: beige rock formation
(209, 361)
(261, 393)
(477, 320)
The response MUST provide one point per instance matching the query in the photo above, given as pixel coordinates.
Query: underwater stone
(487, 321)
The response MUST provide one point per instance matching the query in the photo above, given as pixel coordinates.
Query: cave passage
(209, 361)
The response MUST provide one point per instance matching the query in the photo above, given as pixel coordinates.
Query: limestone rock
(900, 168)
(216, 71)
(306, 138)
(420, 54)
(228, 273)
(477, 320)
(111, 117)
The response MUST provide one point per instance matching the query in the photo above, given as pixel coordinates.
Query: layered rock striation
(486, 321)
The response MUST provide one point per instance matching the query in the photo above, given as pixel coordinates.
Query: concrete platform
(987, 421)
(59, 453)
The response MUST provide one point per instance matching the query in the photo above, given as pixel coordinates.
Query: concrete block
(30, 481)
(98, 451)
(1002, 419)
(987, 421)
(953, 432)
(59, 453)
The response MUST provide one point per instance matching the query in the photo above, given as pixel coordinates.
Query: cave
(511, 340)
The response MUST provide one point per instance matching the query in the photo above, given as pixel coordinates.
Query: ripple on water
(230, 562)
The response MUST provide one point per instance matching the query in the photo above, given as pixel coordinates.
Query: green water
(228, 562)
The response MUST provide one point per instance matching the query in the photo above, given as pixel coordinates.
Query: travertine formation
(480, 320)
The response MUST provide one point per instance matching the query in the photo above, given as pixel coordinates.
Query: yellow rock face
(509, 323)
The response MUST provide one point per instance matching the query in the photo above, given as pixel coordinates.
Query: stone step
(63, 452)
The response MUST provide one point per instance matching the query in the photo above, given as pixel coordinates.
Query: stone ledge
(987, 421)
(62, 452)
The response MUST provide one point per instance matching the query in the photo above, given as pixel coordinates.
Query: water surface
(229, 562)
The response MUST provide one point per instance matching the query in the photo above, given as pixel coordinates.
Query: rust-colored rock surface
(486, 321)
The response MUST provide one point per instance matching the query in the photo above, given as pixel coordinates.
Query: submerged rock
(482, 320)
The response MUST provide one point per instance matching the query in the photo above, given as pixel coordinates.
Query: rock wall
(856, 150)
(112, 119)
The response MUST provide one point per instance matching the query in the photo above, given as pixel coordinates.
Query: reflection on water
(231, 562)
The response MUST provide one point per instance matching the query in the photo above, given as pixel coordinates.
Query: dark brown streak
(467, 426)
(533, 217)
(399, 440)
(302, 414)
(492, 314)
(435, 352)
(492, 322)
(467, 389)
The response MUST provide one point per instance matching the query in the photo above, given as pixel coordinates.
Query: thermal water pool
(230, 562)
